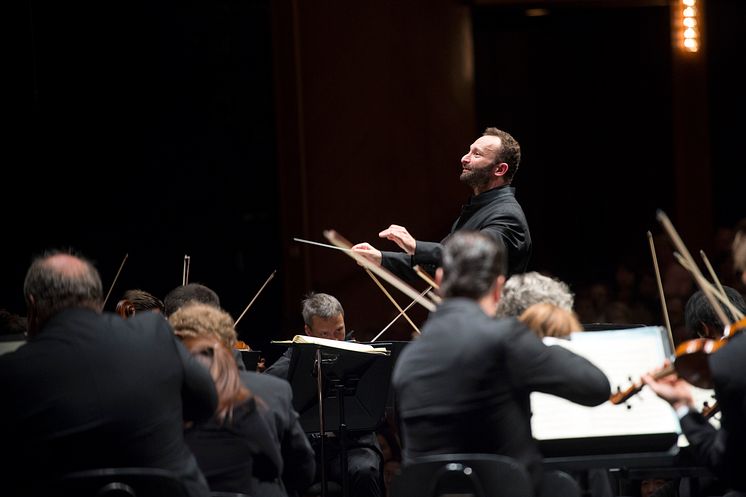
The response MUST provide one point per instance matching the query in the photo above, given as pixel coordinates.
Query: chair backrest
(559, 484)
(478, 475)
(121, 482)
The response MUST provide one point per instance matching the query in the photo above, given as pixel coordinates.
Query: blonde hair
(549, 320)
(197, 319)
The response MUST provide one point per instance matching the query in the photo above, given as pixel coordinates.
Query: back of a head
(699, 316)
(57, 281)
(471, 263)
(322, 305)
(136, 300)
(181, 295)
(521, 291)
(198, 319)
(209, 351)
(548, 320)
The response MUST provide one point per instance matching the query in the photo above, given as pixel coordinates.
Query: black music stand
(338, 390)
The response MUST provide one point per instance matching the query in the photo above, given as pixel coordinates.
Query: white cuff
(682, 411)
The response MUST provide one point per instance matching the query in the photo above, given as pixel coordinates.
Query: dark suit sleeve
(198, 394)
(707, 443)
(400, 264)
(555, 370)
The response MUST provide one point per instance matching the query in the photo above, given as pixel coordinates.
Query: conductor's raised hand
(369, 252)
(400, 236)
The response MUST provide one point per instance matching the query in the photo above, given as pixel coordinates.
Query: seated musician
(136, 300)
(324, 318)
(463, 386)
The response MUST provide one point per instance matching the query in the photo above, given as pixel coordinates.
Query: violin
(691, 364)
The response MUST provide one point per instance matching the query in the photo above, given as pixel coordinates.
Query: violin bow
(393, 301)
(116, 277)
(255, 296)
(425, 277)
(721, 296)
(693, 269)
(185, 270)
(402, 313)
(712, 272)
(385, 274)
(660, 290)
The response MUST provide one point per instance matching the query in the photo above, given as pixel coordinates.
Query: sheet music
(624, 356)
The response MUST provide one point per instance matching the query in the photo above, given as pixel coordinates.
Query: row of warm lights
(689, 21)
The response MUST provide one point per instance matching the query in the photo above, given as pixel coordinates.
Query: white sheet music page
(624, 356)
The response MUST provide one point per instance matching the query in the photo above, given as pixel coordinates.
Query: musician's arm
(555, 370)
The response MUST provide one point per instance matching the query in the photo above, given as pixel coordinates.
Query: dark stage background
(223, 129)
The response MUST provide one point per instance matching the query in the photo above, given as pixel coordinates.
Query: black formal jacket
(94, 390)
(463, 385)
(238, 451)
(724, 450)
(495, 212)
(299, 465)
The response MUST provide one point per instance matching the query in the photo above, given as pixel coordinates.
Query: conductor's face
(331, 328)
(478, 164)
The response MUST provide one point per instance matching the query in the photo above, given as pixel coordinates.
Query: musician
(182, 294)
(702, 321)
(274, 400)
(323, 316)
(91, 390)
(488, 169)
(521, 291)
(137, 300)
(549, 320)
(463, 386)
(721, 450)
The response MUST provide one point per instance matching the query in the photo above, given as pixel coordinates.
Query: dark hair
(698, 312)
(59, 280)
(183, 294)
(136, 300)
(322, 305)
(510, 151)
(471, 263)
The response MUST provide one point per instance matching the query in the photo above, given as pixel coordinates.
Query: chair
(477, 475)
(121, 482)
(559, 484)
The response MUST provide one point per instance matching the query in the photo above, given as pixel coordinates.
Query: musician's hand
(400, 236)
(671, 388)
(369, 252)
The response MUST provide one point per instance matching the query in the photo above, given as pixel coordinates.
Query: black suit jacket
(94, 390)
(299, 464)
(463, 385)
(496, 213)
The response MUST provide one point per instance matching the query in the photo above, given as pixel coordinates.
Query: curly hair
(523, 290)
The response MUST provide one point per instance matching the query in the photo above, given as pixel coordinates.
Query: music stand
(338, 390)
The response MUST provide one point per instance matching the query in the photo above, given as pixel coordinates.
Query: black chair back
(478, 475)
(121, 482)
